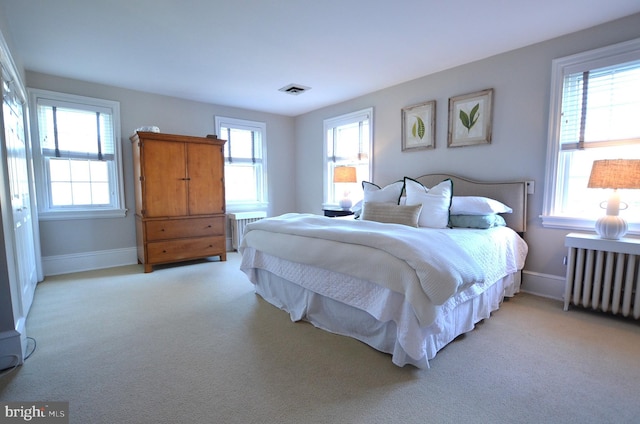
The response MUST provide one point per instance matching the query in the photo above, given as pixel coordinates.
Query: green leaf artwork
(468, 121)
(417, 130)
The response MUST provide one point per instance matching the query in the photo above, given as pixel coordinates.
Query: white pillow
(374, 194)
(389, 194)
(435, 202)
(477, 205)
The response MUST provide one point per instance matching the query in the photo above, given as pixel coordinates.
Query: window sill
(84, 214)
(245, 207)
(580, 224)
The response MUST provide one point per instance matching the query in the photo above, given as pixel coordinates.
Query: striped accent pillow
(391, 213)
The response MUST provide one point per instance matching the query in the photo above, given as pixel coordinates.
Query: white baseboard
(77, 262)
(544, 285)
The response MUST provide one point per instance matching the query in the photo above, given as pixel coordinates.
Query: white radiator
(603, 275)
(239, 221)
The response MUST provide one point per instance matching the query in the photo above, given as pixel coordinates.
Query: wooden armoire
(179, 193)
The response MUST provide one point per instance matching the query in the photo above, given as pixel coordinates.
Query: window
(348, 142)
(244, 163)
(594, 107)
(78, 158)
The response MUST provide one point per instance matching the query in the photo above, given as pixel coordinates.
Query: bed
(396, 279)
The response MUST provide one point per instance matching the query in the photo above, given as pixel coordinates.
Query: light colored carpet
(194, 344)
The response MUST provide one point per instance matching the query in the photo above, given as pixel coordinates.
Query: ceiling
(239, 53)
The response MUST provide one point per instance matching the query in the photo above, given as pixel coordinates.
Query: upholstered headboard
(512, 194)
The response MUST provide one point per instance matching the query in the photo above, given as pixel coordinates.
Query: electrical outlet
(531, 187)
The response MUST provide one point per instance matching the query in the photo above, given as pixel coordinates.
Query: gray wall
(174, 116)
(521, 80)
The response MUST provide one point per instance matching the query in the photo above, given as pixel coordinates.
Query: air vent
(294, 89)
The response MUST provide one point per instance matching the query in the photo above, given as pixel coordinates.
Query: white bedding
(425, 266)
(368, 312)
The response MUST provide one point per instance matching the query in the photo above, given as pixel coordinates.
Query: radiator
(238, 223)
(603, 275)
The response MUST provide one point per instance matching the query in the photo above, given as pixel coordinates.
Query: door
(164, 178)
(19, 191)
(206, 178)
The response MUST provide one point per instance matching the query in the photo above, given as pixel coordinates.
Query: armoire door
(164, 169)
(205, 168)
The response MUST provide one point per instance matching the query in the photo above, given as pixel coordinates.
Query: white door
(19, 187)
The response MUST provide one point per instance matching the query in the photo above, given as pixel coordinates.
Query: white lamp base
(345, 203)
(611, 227)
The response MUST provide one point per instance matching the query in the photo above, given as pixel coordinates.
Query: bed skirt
(386, 322)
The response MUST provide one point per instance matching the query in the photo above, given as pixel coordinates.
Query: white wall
(521, 80)
(77, 241)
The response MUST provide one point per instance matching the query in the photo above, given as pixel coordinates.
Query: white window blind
(68, 131)
(600, 107)
(348, 138)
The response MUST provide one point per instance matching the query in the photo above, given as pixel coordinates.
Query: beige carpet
(194, 344)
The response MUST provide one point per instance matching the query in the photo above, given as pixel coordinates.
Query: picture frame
(418, 126)
(470, 119)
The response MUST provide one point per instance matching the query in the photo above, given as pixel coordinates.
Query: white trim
(10, 66)
(82, 214)
(88, 261)
(543, 285)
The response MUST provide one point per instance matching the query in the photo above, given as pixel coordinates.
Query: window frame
(262, 202)
(606, 56)
(336, 121)
(46, 211)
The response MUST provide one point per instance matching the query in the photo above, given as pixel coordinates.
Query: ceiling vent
(294, 89)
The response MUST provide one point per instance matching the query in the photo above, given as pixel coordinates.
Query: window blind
(242, 146)
(74, 131)
(600, 106)
(349, 139)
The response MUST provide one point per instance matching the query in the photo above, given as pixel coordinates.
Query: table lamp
(346, 175)
(614, 174)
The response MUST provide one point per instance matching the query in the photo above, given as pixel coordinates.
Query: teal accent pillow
(477, 221)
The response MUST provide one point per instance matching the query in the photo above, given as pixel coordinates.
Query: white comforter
(426, 266)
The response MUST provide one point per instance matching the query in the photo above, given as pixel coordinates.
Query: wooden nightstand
(603, 274)
(334, 212)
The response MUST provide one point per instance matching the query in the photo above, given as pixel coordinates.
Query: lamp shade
(344, 174)
(615, 173)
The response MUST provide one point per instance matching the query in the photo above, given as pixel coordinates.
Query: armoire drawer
(176, 250)
(168, 229)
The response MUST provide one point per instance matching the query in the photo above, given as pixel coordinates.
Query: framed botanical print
(418, 126)
(470, 119)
